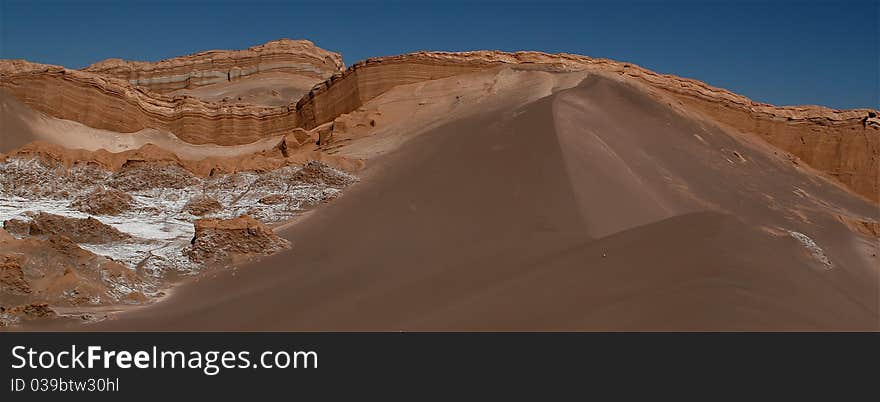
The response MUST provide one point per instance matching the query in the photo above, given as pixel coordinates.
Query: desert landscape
(275, 189)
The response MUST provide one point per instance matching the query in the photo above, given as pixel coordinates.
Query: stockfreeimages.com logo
(210, 362)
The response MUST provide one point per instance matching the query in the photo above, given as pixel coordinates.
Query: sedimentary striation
(294, 57)
(842, 144)
(116, 105)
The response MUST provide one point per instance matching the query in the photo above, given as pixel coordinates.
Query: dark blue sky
(784, 53)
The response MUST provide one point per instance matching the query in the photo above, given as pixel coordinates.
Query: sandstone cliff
(114, 104)
(295, 57)
(843, 144)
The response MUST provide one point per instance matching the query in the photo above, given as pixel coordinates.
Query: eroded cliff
(294, 57)
(843, 144)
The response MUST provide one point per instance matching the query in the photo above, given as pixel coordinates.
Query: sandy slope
(594, 208)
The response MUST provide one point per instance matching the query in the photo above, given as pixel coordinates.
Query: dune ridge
(843, 144)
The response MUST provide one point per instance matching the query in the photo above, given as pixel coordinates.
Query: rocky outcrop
(85, 230)
(316, 172)
(218, 239)
(57, 271)
(103, 201)
(202, 205)
(295, 57)
(150, 165)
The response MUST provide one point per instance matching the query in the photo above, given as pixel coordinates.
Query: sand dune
(502, 191)
(596, 208)
(841, 144)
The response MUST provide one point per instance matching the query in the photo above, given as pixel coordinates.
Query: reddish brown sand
(594, 209)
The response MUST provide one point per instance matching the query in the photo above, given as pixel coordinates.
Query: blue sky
(779, 52)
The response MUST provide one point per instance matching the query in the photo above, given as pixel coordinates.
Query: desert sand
(563, 215)
(524, 192)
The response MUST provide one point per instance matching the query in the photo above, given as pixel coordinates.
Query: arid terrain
(273, 188)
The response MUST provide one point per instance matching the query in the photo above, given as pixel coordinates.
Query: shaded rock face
(86, 230)
(202, 205)
(103, 201)
(218, 239)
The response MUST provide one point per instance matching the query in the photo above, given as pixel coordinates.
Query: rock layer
(116, 105)
(843, 144)
(296, 57)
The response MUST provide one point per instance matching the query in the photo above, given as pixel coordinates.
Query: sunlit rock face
(292, 57)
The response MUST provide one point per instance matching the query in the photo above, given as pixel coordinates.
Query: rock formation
(202, 205)
(57, 271)
(316, 172)
(294, 57)
(116, 105)
(142, 164)
(85, 230)
(838, 143)
(243, 153)
(217, 239)
(103, 201)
